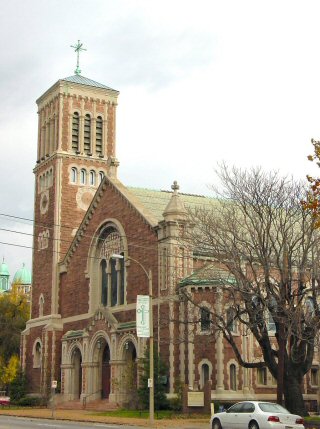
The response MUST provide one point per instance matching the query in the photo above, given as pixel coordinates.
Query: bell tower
(76, 149)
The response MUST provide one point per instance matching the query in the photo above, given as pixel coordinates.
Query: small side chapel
(82, 330)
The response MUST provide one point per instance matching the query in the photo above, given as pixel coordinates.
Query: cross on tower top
(77, 48)
(175, 187)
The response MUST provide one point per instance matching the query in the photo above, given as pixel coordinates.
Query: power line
(69, 242)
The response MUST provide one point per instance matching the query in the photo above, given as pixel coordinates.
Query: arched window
(74, 175)
(99, 136)
(51, 177)
(41, 304)
(92, 178)
(101, 176)
(75, 132)
(262, 376)
(47, 179)
(83, 177)
(233, 377)
(112, 269)
(205, 319)
(272, 307)
(87, 135)
(231, 323)
(204, 373)
(37, 355)
(310, 309)
(271, 322)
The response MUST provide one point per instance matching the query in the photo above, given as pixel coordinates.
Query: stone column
(219, 349)
(182, 345)
(191, 372)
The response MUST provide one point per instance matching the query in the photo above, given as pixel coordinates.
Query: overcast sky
(199, 81)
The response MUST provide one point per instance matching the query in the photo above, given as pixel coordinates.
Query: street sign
(143, 316)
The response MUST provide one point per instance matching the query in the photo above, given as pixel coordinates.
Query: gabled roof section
(126, 194)
(86, 81)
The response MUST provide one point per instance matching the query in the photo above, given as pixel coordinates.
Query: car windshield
(272, 408)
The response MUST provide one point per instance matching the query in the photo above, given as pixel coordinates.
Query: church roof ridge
(168, 191)
(82, 80)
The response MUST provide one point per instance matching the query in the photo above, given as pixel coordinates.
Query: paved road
(8, 422)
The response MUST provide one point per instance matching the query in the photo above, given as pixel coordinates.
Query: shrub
(30, 401)
(18, 387)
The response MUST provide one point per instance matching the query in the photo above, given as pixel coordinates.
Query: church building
(97, 245)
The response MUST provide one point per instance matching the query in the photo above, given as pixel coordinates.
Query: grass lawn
(144, 414)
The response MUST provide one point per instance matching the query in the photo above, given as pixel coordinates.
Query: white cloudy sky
(200, 82)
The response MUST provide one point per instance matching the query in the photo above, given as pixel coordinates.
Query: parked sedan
(256, 415)
(4, 400)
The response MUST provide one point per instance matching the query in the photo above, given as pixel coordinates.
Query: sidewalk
(92, 416)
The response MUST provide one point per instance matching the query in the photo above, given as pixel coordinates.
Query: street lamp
(151, 369)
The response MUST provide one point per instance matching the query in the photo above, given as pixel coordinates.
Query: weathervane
(77, 48)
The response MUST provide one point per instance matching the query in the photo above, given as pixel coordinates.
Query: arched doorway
(105, 380)
(77, 373)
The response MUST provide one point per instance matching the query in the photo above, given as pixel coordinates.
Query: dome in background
(22, 276)
(4, 270)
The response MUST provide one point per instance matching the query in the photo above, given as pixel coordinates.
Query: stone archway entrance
(105, 372)
(77, 373)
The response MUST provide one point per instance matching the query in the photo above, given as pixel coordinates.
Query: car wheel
(216, 424)
(253, 425)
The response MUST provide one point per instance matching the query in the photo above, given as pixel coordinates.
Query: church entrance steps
(101, 405)
(70, 405)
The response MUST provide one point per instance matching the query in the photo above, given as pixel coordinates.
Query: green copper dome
(4, 270)
(22, 276)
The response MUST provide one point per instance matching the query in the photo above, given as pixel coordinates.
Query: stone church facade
(82, 330)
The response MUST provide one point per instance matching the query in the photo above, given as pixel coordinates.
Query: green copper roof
(85, 81)
(4, 270)
(157, 201)
(22, 276)
(208, 275)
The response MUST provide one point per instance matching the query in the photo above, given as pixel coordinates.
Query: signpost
(144, 321)
(54, 384)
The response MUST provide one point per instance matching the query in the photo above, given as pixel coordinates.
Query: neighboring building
(4, 277)
(22, 280)
(82, 331)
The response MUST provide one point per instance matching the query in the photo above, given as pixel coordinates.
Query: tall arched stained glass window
(121, 281)
(104, 282)
(75, 132)
(113, 269)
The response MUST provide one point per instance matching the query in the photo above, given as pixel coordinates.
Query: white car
(256, 415)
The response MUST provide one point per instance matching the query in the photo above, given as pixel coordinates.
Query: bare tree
(257, 232)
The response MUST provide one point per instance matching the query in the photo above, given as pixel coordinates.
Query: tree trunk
(293, 395)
